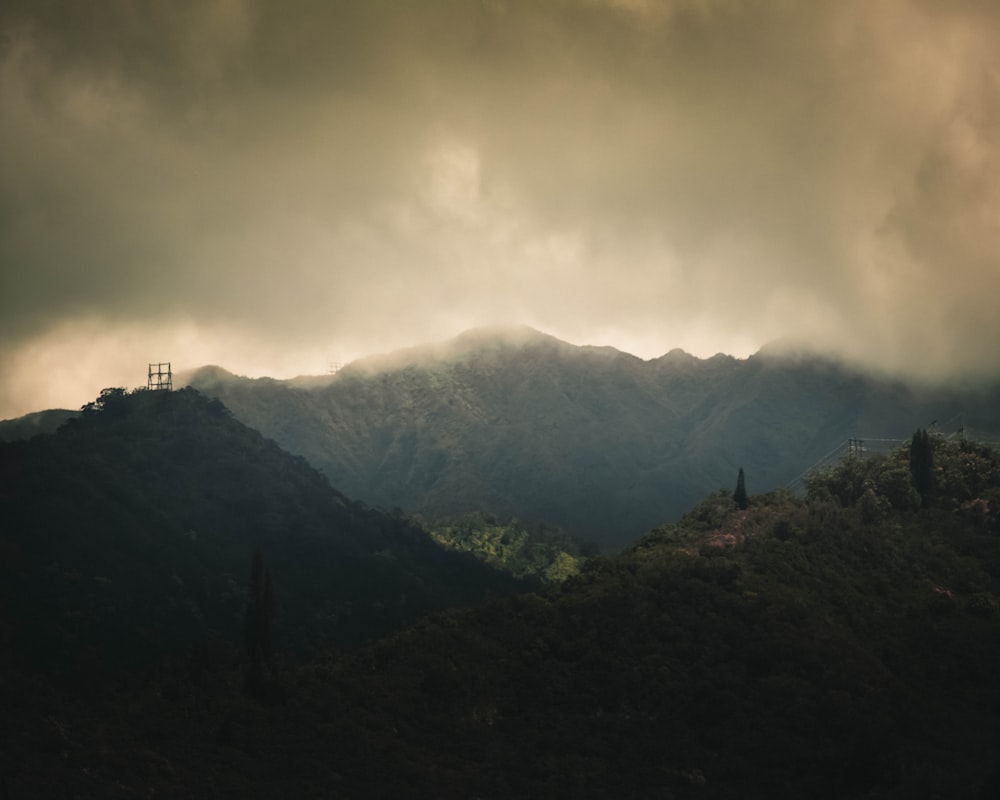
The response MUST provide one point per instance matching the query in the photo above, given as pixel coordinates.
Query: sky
(276, 186)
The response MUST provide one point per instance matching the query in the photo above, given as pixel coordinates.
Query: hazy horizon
(84, 390)
(274, 187)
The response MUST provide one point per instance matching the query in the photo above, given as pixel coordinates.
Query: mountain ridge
(516, 423)
(599, 442)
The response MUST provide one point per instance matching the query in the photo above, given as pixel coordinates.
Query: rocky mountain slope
(513, 422)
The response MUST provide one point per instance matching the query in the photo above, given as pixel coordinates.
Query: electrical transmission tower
(161, 378)
(855, 448)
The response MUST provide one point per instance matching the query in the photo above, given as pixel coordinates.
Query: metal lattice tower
(161, 378)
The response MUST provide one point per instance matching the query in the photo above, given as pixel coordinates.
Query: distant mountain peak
(788, 349)
(509, 334)
(505, 337)
(677, 356)
(207, 376)
(471, 343)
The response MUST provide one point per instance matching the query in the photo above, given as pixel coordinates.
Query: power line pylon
(161, 378)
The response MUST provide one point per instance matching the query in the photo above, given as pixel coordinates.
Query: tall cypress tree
(259, 613)
(266, 615)
(740, 495)
(922, 465)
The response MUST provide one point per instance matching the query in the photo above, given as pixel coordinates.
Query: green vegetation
(597, 442)
(126, 535)
(954, 475)
(740, 496)
(539, 551)
(33, 424)
(844, 644)
(259, 618)
(922, 465)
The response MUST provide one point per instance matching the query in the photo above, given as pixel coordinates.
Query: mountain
(515, 423)
(127, 535)
(33, 424)
(841, 645)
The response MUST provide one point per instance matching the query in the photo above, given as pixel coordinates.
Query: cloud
(347, 177)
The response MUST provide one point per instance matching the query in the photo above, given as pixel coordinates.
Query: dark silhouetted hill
(841, 645)
(33, 424)
(128, 534)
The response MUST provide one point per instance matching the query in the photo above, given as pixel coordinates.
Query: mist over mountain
(500, 566)
(33, 424)
(606, 445)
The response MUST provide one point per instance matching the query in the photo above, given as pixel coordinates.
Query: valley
(514, 423)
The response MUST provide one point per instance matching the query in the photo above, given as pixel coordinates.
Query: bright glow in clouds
(271, 187)
(77, 359)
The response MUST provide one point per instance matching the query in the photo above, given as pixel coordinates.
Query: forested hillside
(514, 423)
(538, 551)
(838, 645)
(129, 533)
(33, 424)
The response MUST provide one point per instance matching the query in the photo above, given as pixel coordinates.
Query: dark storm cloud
(300, 177)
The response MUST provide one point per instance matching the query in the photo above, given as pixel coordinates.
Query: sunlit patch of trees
(525, 551)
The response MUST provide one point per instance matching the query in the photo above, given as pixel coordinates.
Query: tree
(259, 614)
(922, 465)
(112, 400)
(740, 495)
